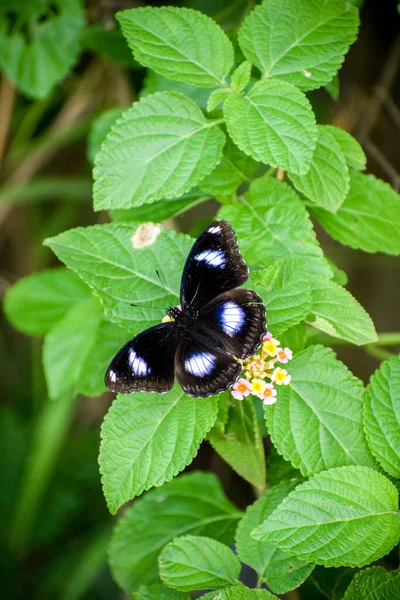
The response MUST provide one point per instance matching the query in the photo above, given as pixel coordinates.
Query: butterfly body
(218, 326)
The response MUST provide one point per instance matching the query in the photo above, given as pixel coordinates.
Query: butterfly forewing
(237, 319)
(214, 265)
(146, 362)
(203, 370)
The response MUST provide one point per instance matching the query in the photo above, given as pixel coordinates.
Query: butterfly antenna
(164, 288)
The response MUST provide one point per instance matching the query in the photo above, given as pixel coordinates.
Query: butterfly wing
(214, 265)
(203, 369)
(237, 319)
(146, 362)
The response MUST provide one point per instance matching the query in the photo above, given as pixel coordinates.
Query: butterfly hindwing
(237, 319)
(146, 362)
(202, 369)
(214, 265)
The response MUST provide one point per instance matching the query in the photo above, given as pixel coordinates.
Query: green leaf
(103, 255)
(339, 314)
(37, 302)
(381, 415)
(193, 503)
(169, 144)
(109, 340)
(303, 43)
(276, 568)
(242, 593)
(333, 87)
(353, 153)
(285, 290)
(317, 421)
(272, 213)
(68, 344)
(100, 129)
(374, 584)
(197, 563)
(235, 168)
(273, 123)
(147, 439)
(154, 82)
(241, 76)
(278, 469)
(327, 182)
(294, 338)
(368, 219)
(108, 43)
(346, 516)
(239, 441)
(37, 64)
(161, 210)
(217, 97)
(179, 43)
(158, 591)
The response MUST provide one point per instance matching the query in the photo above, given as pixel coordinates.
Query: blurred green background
(55, 524)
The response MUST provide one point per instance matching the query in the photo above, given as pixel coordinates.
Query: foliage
(223, 115)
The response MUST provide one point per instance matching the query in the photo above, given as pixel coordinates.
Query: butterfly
(203, 345)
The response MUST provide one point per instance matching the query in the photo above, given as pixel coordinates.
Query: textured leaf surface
(197, 563)
(279, 469)
(103, 255)
(179, 43)
(68, 344)
(368, 219)
(239, 441)
(191, 503)
(382, 415)
(242, 593)
(149, 438)
(276, 568)
(374, 584)
(327, 182)
(353, 153)
(169, 146)
(37, 302)
(37, 65)
(303, 43)
(241, 76)
(161, 210)
(346, 516)
(158, 591)
(154, 82)
(100, 128)
(339, 314)
(317, 421)
(273, 123)
(271, 223)
(286, 290)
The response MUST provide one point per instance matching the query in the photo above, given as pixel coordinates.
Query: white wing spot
(232, 317)
(113, 376)
(215, 229)
(213, 258)
(200, 363)
(138, 365)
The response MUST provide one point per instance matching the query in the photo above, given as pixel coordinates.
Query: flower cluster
(260, 368)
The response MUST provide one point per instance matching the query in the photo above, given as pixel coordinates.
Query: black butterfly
(217, 325)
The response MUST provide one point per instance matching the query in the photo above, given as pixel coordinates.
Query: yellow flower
(280, 376)
(257, 386)
(270, 348)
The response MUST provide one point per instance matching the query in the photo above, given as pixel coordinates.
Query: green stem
(378, 353)
(390, 338)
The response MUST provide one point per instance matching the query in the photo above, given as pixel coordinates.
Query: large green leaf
(169, 146)
(353, 153)
(154, 82)
(68, 345)
(239, 441)
(37, 302)
(242, 593)
(103, 255)
(197, 563)
(286, 290)
(179, 43)
(339, 314)
(382, 415)
(374, 584)
(346, 516)
(158, 591)
(317, 421)
(273, 123)
(191, 503)
(368, 219)
(149, 438)
(327, 182)
(36, 64)
(271, 223)
(302, 42)
(161, 210)
(100, 128)
(276, 568)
